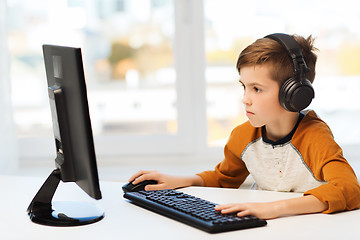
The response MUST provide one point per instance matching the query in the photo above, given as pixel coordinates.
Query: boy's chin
(255, 124)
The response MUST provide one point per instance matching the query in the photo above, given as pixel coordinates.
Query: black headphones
(296, 93)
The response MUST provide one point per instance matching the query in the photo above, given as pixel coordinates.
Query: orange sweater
(310, 162)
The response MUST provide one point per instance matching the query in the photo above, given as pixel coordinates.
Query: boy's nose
(246, 99)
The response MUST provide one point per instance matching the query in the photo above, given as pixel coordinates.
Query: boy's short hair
(269, 51)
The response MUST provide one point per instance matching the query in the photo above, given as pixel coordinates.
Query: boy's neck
(280, 129)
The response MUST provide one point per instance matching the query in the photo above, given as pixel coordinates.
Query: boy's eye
(257, 89)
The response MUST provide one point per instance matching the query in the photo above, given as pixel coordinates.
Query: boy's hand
(269, 210)
(266, 210)
(164, 181)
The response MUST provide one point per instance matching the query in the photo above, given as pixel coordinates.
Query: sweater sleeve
(324, 158)
(342, 191)
(232, 171)
(229, 173)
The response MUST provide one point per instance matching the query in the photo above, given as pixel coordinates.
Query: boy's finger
(152, 187)
(138, 174)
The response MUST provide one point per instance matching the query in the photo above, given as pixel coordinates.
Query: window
(128, 60)
(132, 79)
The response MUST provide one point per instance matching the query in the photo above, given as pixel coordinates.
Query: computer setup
(76, 162)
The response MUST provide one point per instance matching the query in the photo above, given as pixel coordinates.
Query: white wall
(8, 151)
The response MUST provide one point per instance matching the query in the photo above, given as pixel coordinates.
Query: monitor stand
(42, 211)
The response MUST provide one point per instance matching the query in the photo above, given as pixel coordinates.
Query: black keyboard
(191, 210)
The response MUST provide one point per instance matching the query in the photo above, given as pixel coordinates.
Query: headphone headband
(294, 50)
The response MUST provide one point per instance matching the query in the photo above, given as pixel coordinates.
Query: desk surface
(124, 220)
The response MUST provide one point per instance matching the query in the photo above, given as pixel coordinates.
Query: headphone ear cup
(295, 96)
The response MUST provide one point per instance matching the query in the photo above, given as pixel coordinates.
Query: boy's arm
(165, 181)
(172, 182)
(230, 173)
(269, 210)
(342, 190)
(325, 160)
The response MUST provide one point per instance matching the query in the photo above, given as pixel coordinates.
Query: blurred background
(162, 85)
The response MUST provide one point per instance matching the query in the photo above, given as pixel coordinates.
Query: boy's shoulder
(312, 122)
(315, 141)
(312, 127)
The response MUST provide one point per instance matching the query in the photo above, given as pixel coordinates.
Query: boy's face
(261, 96)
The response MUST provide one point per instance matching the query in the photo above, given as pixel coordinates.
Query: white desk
(124, 220)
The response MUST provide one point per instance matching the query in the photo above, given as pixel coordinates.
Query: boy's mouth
(248, 113)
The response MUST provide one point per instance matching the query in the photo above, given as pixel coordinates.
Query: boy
(283, 148)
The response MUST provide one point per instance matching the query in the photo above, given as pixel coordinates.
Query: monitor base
(64, 214)
(43, 211)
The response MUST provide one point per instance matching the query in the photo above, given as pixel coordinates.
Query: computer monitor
(75, 154)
